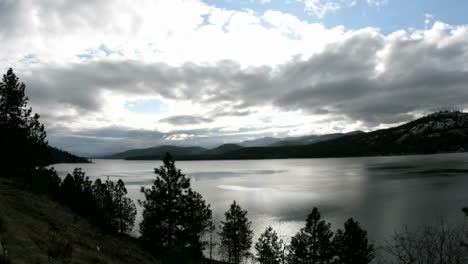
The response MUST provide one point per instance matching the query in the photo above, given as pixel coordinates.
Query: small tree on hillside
(24, 145)
(351, 244)
(313, 243)
(174, 216)
(125, 209)
(269, 247)
(76, 191)
(236, 233)
(116, 211)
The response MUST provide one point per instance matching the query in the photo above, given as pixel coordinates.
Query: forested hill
(202, 153)
(435, 133)
(61, 156)
(157, 152)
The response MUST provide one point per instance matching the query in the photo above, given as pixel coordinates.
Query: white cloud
(428, 18)
(320, 8)
(377, 2)
(232, 72)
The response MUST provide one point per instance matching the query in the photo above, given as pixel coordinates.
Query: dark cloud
(230, 110)
(185, 120)
(417, 75)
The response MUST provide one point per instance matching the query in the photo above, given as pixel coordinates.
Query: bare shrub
(431, 244)
(59, 250)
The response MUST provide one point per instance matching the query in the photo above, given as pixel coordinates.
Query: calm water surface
(383, 193)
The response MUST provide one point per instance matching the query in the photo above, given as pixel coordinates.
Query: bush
(429, 244)
(59, 249)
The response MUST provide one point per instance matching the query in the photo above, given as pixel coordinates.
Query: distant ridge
(62, 156)
(156, 152)
(179, 152)
(260, 142)
(306, 140)
(222, 149)
(435, 133)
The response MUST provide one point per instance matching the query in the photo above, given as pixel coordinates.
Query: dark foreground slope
(32, 225)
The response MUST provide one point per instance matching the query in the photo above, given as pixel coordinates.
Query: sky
(112, 75)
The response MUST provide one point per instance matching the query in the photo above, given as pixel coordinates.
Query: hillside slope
(435, 133)
(31, 225)
(156, 152)
(307, 140)
(61, 156)
(222, 149)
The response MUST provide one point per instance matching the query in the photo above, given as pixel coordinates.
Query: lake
(383, 193)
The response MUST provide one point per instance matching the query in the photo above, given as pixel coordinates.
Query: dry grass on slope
(35, 229)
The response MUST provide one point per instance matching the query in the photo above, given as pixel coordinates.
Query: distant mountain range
(439, 132)
(306, 140)
(157, 152)
(194, 151)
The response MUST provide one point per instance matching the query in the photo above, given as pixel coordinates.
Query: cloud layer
(224, 75)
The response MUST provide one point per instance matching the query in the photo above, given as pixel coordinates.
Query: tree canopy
(269, 247)
(23, 136)
(351, 244)
(236, 234)
(316, 243)
(312, 244)
(174, 216)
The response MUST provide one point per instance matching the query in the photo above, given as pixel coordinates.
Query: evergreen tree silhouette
(351, 244)
(269, 247)
(115, 211)
(125, 209)
(236, 233)
(312, 244)
(174, 216)
(24, 145)
(76, 191)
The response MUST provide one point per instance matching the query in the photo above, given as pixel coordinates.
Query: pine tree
(269, 247)
(236, 233)
(174, 215)
(76, 191)
(351, 244)
(313, 243)
(115, 211)
(24, 138)
(125, 209)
